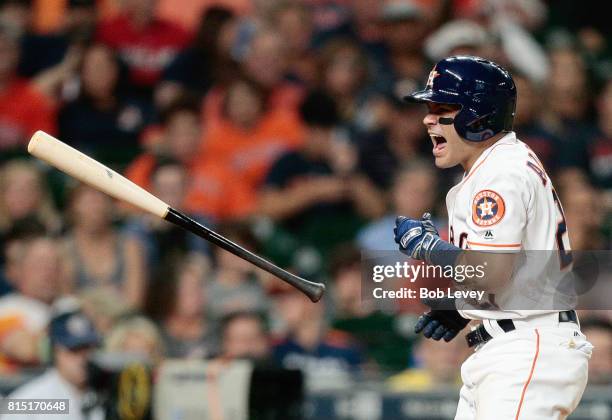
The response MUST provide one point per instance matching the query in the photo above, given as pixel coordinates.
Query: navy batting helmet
(484, 91)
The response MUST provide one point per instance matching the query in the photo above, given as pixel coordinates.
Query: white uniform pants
(535, 372)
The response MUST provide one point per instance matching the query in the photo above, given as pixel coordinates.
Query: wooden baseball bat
(102, 178)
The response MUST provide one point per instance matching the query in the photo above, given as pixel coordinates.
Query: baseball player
(528, 364)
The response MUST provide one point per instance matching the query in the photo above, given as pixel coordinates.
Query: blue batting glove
(416, 238)
(428, 224)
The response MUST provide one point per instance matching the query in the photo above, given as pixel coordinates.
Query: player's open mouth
(439, 143)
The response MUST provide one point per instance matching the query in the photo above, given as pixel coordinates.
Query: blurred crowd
(280, 124)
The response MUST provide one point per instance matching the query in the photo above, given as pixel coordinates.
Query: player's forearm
(496, 267)
(420, 240)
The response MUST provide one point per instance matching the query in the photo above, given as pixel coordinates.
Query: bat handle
(311, 289)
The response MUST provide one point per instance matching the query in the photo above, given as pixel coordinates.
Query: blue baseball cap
(73, 330)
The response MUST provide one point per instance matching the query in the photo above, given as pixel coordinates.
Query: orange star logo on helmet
(488, 208)
(432, 75)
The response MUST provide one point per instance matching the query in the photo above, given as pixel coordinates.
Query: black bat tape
(311, 289)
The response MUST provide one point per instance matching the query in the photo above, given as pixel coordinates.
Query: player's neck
(477, 149)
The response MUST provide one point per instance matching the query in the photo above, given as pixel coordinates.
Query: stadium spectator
(100, 255)
(316, 192)
(265, 65)
(24, 194)
(234, 282)
(145, 43)
(508, 22)
(181, 302)
(593, 153)
(328, 359)
(17, 15)
(177, 137)
(45, 51)
(244, 336)
(105, 307)
(458, 37)
(359, 20)
(160, 240)
(266, 61)
(404, 26)
(187, 13)
(343, 74)
(12, 245)
(414, 192)
(399, 140)
(294, 22)
(136, 336)
(211, 190)
(73, 338)
(251, 136)
(205, 62)
(584, 216)
(379, 334)
(23, 108)
(24, 313)
(598, 149)
(567, 96)
(437, 365)
(599, 331)
(102, 122)
(529, 126)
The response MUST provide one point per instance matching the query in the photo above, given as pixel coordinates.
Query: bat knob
(315, 291)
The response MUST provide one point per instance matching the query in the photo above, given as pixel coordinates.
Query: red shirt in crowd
(23, 111)
(147, 50)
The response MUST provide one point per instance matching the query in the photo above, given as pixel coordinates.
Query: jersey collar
(509, 138)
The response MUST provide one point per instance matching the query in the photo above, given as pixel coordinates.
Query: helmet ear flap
(475, 127)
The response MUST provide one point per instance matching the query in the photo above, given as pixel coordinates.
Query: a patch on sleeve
(488, 208)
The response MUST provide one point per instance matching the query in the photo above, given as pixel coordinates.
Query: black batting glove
(440, 323)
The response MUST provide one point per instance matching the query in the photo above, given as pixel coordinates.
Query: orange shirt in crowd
(211, 190)
(249, 154)
(23, 110)
(214, 190)
(286, 97)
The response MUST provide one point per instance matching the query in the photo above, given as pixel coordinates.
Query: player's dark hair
(319, 109)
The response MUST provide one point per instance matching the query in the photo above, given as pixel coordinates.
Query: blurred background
(278, 123)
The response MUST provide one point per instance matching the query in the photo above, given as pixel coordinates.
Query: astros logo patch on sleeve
(488, 208)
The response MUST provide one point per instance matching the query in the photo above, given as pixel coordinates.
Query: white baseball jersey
(506, 202)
